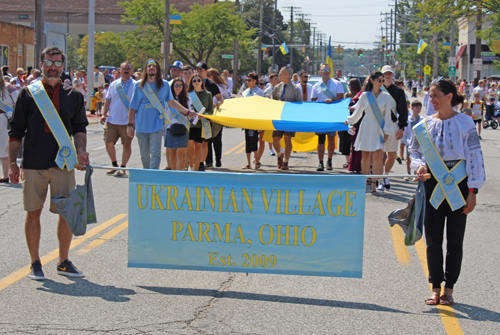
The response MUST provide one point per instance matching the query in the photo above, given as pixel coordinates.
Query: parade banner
(260, 223)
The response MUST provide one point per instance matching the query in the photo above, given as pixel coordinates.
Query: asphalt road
(115, 299)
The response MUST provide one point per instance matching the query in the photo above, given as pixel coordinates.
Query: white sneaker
(381, 187)
(271, 152)
(387, 184)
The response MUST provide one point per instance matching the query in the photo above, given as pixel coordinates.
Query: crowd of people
(48, 112)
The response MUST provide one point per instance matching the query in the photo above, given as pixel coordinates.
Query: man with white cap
(399, 117)
(175, 71)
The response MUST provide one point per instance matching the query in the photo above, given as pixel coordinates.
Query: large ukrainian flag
(305, 118)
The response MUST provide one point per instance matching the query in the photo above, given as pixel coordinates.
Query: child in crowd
(105, 91)
(98, 100)
(477, 112)
(413, 119)
(465, 108)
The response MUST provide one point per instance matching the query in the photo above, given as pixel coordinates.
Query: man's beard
(52, 74)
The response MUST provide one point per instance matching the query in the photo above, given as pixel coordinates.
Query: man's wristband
(130, 124)
(473, 190)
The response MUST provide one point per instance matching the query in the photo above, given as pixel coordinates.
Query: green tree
(73, 59)
(108, 46)
(202, 35)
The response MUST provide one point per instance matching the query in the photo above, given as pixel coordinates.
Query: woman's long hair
(217, 78)
(355, 87)
(447, 86)
(159, 80)
(374, 76)
(191, 86)
(183, 96)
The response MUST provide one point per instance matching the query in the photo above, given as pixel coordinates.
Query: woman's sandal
(257, 166)
(246, 167)
(446, 300)
(434, 299)
(346, 165)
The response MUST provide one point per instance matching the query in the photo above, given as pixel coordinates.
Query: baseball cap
(177, 63)
(387, 68)
(202, 65)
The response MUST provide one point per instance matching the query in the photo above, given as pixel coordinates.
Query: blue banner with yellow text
(260, 223)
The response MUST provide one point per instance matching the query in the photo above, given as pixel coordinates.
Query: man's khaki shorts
(36, 183)
(113, 132)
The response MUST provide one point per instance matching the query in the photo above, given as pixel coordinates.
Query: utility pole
(235, 57)
(479, 42)
(452, 42)
(436, 55)
(90, 52)
(393, 43)
(166, 40)
(39, 40)
(313, 50)
(259, 47)
(291, 37)
(274, 35)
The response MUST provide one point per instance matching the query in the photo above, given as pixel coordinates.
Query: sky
(353, 24)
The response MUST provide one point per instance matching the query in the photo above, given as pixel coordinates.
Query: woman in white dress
(8, 95)
(371, 137)
(455, 139)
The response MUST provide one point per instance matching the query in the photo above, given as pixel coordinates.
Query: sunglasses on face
(380, 80)
(325, 70)
(49, 63)
(261, 84)
(196, 80)
(178, 85)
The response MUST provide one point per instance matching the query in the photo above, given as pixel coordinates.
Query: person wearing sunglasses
(196, 134)
(458, 173)
(177, 133)
(399, 119)
(115, 117)
(49, 153)
(375, 127)
(147, 114)
(327, 91)
(251, 135)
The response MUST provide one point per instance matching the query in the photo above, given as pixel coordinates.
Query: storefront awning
(460, 53)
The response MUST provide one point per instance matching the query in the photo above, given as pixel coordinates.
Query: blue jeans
(150, 149)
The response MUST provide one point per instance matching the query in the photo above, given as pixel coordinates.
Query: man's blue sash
(394, 107)
(448, 180)
(179, 117)
(6, 108)
(376, 111)
(206, 131)
(121, 94)
(326, 91)
(66, 156)
(153, 99)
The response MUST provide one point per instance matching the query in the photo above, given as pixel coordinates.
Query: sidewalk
(92, 118)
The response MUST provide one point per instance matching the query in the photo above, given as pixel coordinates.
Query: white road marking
(99, 148)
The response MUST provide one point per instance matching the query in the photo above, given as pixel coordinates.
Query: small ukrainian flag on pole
(284, 48)
(421, 46)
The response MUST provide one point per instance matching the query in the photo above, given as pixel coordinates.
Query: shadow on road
(83, 288)
(270, 298)
(470, 312)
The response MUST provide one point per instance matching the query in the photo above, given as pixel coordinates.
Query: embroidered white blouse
(455, 138)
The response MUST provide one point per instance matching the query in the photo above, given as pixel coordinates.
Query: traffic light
(383, 48)
(363, 64)
(360, 53)
(375, 65)
(388, 53)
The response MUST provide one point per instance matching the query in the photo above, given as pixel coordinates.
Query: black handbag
(178, 129)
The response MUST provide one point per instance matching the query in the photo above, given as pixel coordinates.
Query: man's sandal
(446, 300)
(434, 299)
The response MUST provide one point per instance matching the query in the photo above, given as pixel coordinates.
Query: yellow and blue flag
(421, 46)
(329, 57)
(175, 19)
(284, 48)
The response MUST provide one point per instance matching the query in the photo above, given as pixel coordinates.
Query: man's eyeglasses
(196, 80)
(49, 63)
(179, 85)
(304, 76)
(325, 70)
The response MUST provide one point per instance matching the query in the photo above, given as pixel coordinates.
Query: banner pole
(378, 176)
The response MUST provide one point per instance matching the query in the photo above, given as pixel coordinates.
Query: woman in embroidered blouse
(455, 139)
(370, 134)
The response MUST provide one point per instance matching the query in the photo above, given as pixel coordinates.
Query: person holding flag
(327, 90)
(399, 119)
(115, 117)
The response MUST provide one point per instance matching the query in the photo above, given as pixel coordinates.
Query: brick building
(16, 46)
(73, 14)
